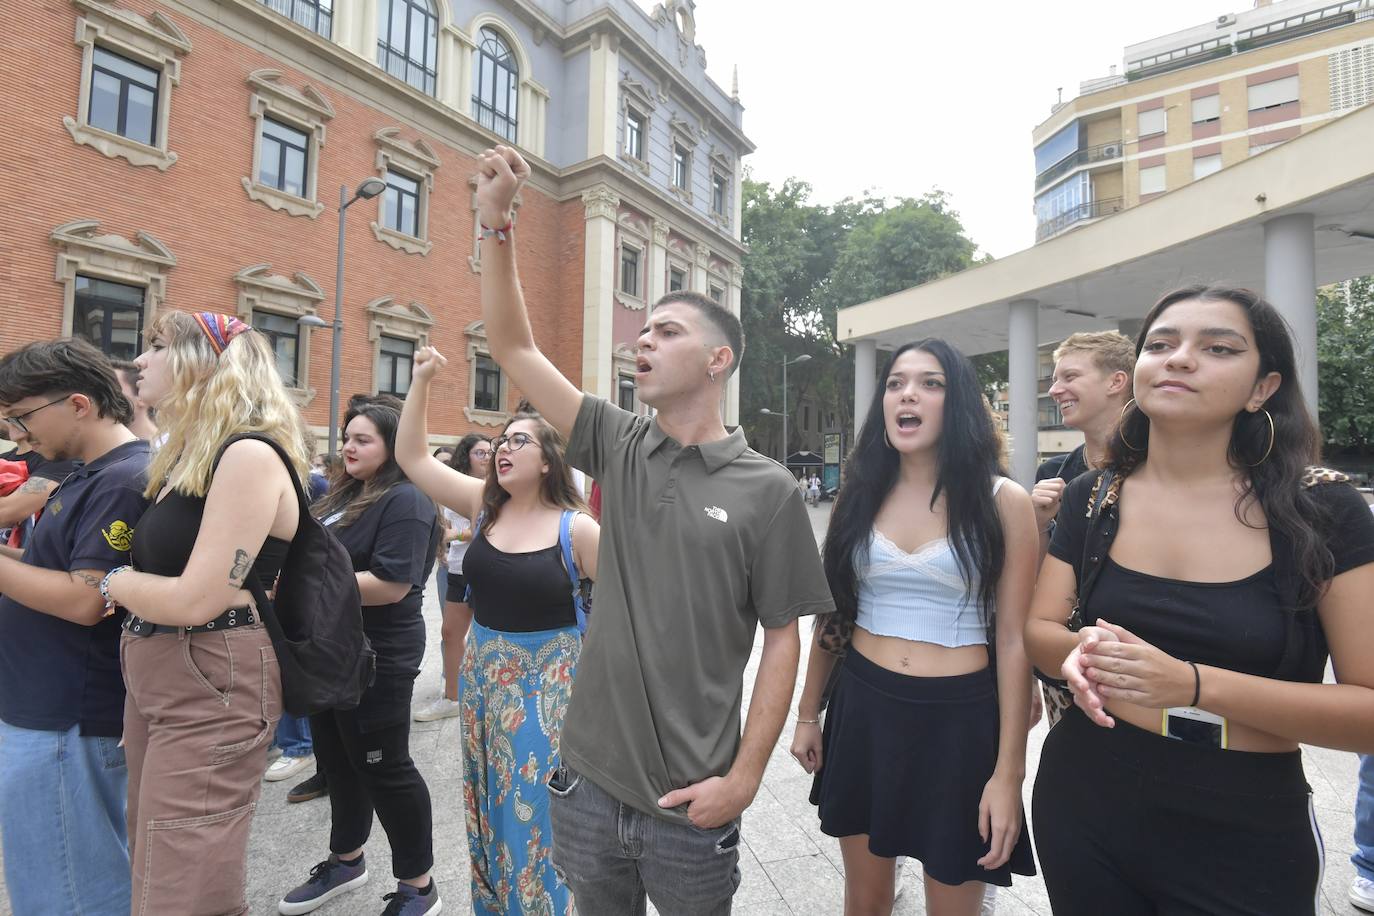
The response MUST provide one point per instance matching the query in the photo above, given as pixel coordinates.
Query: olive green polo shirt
(699, 544)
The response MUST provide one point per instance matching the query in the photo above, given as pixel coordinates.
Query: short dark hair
(71, 365)
(718, 315)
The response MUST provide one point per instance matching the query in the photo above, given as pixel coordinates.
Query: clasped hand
(1111, 662)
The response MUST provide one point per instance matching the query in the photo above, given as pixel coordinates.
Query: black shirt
(395, 539)
(518, 592)
(1066, 467)
(40, 466)
(1242, 626)
(54, 673)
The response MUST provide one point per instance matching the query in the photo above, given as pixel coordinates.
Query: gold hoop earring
(1270, 449)
(1121, 426)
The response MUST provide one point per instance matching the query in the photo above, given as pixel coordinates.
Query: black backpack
(316, 617)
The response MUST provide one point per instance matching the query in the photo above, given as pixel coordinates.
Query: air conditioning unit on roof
(1224, 21)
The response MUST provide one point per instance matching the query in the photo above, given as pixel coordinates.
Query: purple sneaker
(409, 901)
(328, 880)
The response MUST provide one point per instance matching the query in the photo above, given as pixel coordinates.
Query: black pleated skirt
(905, 760)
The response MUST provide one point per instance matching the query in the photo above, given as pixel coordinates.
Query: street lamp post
(370, 188)
(785, 363)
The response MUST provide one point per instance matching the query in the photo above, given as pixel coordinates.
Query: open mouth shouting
(642, 365)
(908, 421)
(504, 465)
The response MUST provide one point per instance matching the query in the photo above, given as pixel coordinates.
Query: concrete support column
(1023, 345)
(603, 96)
(732, 302)
(1290, 283)
(865, 368)
(463, 64)
(449, 55)
(366, 33)
(1131, 327)
(598, 290)
(658, 262)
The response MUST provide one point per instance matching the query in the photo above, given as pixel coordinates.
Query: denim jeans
(293, 736)
(1363, 859)
(62, 823)
(613, 855)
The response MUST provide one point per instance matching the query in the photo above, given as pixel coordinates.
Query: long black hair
(1273, 463)
(968, 456)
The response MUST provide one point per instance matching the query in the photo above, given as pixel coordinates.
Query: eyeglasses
(481, 454)
(19, 419)
(512, 443)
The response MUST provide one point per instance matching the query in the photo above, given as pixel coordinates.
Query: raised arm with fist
(500, 174)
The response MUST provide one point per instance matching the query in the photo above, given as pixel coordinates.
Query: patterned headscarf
(220, 329)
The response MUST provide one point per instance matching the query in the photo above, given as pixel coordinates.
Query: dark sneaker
(313, 787)
(408, 901)
(328, 880)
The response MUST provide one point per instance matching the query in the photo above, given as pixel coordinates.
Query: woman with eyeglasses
(472, 456)
(522, 651)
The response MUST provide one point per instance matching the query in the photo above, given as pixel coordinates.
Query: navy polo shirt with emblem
(55, 674)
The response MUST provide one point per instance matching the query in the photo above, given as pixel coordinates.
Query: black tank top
(518, 592)
(167, 532)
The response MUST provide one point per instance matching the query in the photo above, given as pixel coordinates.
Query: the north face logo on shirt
(717, 513)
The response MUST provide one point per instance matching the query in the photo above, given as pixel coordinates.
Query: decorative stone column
(598, 291)
(658, 262)
(1290, 283)
(1023, 359)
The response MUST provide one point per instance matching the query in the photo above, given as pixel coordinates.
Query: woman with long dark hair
(522, 651)
(1212, 569)
(472, 457)
(391, 532)
(930, 556)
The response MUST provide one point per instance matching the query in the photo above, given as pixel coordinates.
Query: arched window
(315, 15)
(407, 41)
(498, 85)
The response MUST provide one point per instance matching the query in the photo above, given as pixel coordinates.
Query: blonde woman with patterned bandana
(204, 690)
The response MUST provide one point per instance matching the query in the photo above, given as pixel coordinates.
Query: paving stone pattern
(789, 868)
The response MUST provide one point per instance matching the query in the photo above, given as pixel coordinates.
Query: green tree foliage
(1345, 365)
(804, 263)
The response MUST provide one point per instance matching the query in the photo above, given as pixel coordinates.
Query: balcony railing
(1178, 58)
(1103, 152)
(1095, 209)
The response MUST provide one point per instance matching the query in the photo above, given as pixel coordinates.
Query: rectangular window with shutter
(1207, 109)
(1154, 121)
(1206, 165)
(1273, 93)
(1152, 180)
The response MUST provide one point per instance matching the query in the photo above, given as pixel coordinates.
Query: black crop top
(1244, 626)
(518, 592)
(166, 534)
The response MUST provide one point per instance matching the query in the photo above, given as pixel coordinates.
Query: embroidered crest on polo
(717, 513)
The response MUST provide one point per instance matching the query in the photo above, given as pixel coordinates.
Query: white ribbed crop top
(919, 596)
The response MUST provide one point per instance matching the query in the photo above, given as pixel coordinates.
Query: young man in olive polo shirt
(702, 539)
(63, 780)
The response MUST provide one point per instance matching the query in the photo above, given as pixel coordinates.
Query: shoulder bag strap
(565, 524)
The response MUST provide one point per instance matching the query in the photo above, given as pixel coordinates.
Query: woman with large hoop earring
(1211, 568)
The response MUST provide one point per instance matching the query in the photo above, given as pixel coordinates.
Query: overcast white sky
(901, 96)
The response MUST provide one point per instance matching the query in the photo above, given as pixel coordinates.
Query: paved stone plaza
(788, 865)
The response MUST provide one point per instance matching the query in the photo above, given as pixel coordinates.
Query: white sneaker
(441, 708)
(1362, 894)
(989, 907)
(285, 767)
(898, 862)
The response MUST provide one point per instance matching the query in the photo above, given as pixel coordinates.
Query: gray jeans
(613, 855)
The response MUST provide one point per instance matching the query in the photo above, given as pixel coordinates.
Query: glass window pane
(293, 182)
(109, 315)
(104, 112)
(397, 37)
(291, 135)
(128, 69)
(139, 114)
(409, 222)
(415, 45)
(391, 209)
(269, 168)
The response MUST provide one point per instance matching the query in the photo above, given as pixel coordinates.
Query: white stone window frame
(623, 365)
(387, 318)
(722, 167)
(476, 334)
(631, 235)
(417, 160)
(292, 297)
(681, 259)
(154, 41)
(636, 97)
(682, 134)
(717, 279)
(82, 249)
(306, 110)
(475, 258)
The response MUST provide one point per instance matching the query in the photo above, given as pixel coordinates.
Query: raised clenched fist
(500, 173)
(428, 362)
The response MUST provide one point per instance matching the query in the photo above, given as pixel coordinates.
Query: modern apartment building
(188, 154)
(1189, 104)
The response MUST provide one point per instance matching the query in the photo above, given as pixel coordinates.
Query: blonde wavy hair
(214, 397)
